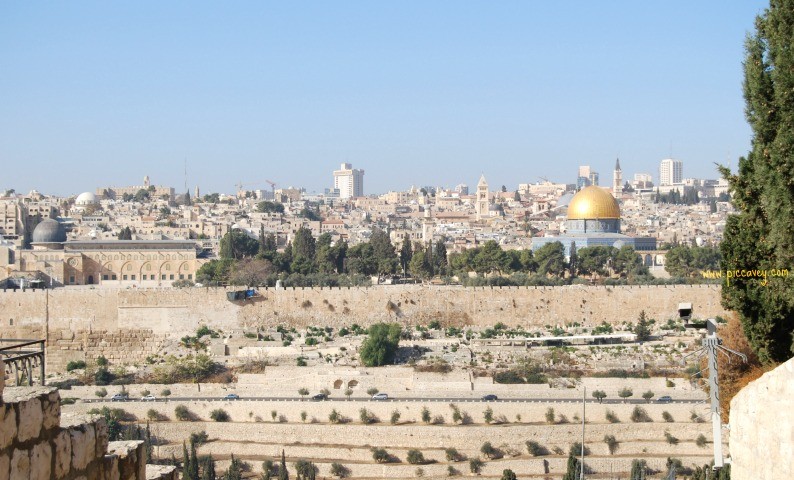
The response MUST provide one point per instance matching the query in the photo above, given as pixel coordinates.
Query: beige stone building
(54, 261)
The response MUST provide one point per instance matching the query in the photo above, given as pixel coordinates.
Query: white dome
(86, 198)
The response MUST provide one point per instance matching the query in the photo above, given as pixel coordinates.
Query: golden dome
(593, 203)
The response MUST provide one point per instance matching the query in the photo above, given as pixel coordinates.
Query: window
(162, 277)
(71, 279)
(190, 276)
(113, 277)
(104, 277)
(181, 276)
(133, 277)
(171, 277)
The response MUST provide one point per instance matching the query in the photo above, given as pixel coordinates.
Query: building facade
(671, 172)
(349, 181)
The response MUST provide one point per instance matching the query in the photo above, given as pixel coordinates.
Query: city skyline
(416, 95)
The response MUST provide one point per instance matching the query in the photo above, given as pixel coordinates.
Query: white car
(148, 398)
(380, 396)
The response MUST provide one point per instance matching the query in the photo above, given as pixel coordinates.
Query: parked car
(490, 397)
(664, 399)
(380, 396)
(319, 397)
(119, 397)
(148, 398)
(232, 396)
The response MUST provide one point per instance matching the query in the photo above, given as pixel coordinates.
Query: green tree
(551, 259)
(361, 259)
(440, 262)
(193, 467)
(599, 395)
(627, 262)
(303, 251)
(573, 261)
(269, 207)
(381, 344)
(236, 244)
(573, 469)
(508, 474)
(639, 470)
(383, 251)
(208, 468)
(419, 265)
(642, 329)
(490, 258)
(282, 468)
(125, 234)
(406, 252)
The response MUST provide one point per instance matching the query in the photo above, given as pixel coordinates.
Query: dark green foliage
(550, 259)
(125, 234)
(305, 470)
(599, 395)
(536, 449)
(612, 443)
(380, 455)
(612, 417)
(490, 451)
(690, 261)
(508, 474)
(415, 457)
(113, 418)
(639, 415)
(453, 455)
(639, 470)
(282, 468)
(269, 207)
(182, 413)
(207, 464)
(642, 329)
(74, 365)
(761, 235)
(236, 244)
(199, 438)
(235, 471)
(220, 415)
(381, 344)
(475, 465)
(573, 470)
(339, 470)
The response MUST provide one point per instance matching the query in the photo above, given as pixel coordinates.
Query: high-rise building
(583, 179)
(617, 180)
(349, 181)
(671, 172)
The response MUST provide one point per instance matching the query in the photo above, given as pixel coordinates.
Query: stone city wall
(36, 443)
(73, 318)
(762, 426)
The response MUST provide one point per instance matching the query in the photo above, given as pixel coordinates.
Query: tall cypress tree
(761, 235)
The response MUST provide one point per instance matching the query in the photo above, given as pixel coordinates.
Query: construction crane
(272, 187)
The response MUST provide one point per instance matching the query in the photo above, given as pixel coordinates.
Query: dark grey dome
(49, 231)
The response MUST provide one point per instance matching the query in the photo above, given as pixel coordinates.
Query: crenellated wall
(132, 323)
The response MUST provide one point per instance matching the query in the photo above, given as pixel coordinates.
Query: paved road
(607, 401)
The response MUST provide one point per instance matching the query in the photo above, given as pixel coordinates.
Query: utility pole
(584, 406)
(711, 345)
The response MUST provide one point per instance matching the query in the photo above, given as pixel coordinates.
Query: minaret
(617, 180)
(428, 227)
(146, 181)
(481, 204)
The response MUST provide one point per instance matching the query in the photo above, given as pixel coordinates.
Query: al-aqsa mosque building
(594, 220)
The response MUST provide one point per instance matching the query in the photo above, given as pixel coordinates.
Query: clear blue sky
(426, 93)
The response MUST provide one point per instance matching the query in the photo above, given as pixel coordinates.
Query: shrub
(339, 470)
(475, 465)
(438, 420)
(303, 416)
(165, 392)
(490, 451)
(153, 415)
(220, 415)
(366, 416)
(535, 449)
(75, 365)
(669, 383)
(550, 415)
(303, 392)
(576, 450)
(648, 396)
(182, 413)
(68, 401)
(199, 438)
(348, 392)
(695, 417)
(701, 441)
(334, 416)
(612, 417)
(395, 417)
(415, 457)
(101, 393)
(453, 455)
(640, 415)
(380, 455)
(452, 471)
(426, 415)
(625, 393)
(102, 361)
(612, 443)
(372, 391)
(670, 438)
(145, 393)
(667, 417)
(301, 361)
(487, 415)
